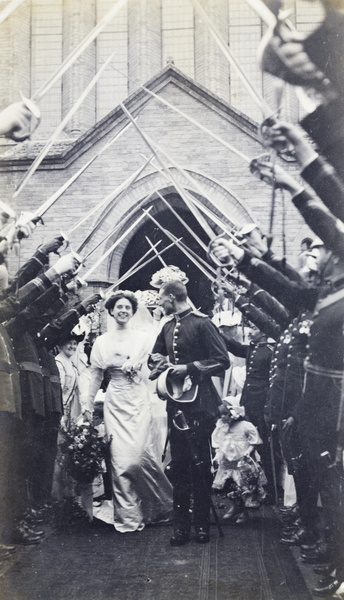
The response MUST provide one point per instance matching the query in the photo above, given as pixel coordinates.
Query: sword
(9, 9)
(173, 238)
(51, 201)
(152, 247)
(203, 246)
(194, 259)
(150, 145)
(274, 24)
(59, 129)
(129, 214)
(74, 55)
(200, 259)
(263, 12)
(255, 95)
(166, 265)
(116, 243)
(183, 194)
(273, 465)
(268, 113)
(197, 124)
(32, 103)
(116, 194)
(189, 229)
(134, 269)
(153, 145)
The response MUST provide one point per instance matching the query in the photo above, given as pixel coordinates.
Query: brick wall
(78, 19)
(144, 39)
(217, 169)
(223, 176)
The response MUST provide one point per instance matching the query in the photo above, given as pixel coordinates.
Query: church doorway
(199, 289)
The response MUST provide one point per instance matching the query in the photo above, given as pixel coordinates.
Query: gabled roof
(65, 152)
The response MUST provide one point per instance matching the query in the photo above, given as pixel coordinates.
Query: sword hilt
(213, 258)
(180, 422)
(255, 168)
(79, 259)
(65, 239)
(284, 150)
(80, 282)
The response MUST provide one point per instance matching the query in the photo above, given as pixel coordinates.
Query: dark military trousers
(191, 471)
(318, 435)
(13, 486)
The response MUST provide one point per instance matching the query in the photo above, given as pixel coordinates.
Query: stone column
(79, 18)
(211, 66)
(144, 51)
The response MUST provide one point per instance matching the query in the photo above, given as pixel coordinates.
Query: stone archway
(118, 217)
(199, 286)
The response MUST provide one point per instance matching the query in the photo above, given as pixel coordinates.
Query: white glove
(223, 249)
(25, 218)
(15, 117)
(25, 231)
(25, 225)
(67, 263)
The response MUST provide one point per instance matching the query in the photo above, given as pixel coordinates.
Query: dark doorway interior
(199, 286)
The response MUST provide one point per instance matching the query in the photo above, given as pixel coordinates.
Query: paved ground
(93, 562)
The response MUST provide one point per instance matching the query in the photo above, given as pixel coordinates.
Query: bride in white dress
(141, 492)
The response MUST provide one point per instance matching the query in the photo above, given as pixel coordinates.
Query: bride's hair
(112, 298)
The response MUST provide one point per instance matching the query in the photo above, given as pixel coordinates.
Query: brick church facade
(165, 46)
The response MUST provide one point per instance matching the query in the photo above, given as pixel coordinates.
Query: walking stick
(196, 460)
(273, 465)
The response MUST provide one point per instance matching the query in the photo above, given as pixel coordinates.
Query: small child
(238, 473)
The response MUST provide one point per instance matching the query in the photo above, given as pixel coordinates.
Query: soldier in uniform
(194, 347)
(254, 395)
(320, 412)
(12, 410)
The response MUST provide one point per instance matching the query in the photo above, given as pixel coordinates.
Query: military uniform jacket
(190, 338)
(287, 370)
(324, 180)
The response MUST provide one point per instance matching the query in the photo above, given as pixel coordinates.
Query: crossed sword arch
(202, 213)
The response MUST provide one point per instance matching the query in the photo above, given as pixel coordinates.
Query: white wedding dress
(141, 492)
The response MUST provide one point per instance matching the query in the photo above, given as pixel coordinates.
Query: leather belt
(30, 366)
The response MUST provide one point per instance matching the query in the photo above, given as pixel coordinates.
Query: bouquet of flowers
(169, 273)
(132, 370)
(83, 451)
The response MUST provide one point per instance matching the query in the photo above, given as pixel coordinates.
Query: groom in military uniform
(193, 347)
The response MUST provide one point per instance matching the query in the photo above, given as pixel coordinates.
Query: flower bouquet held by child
(238, 474)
